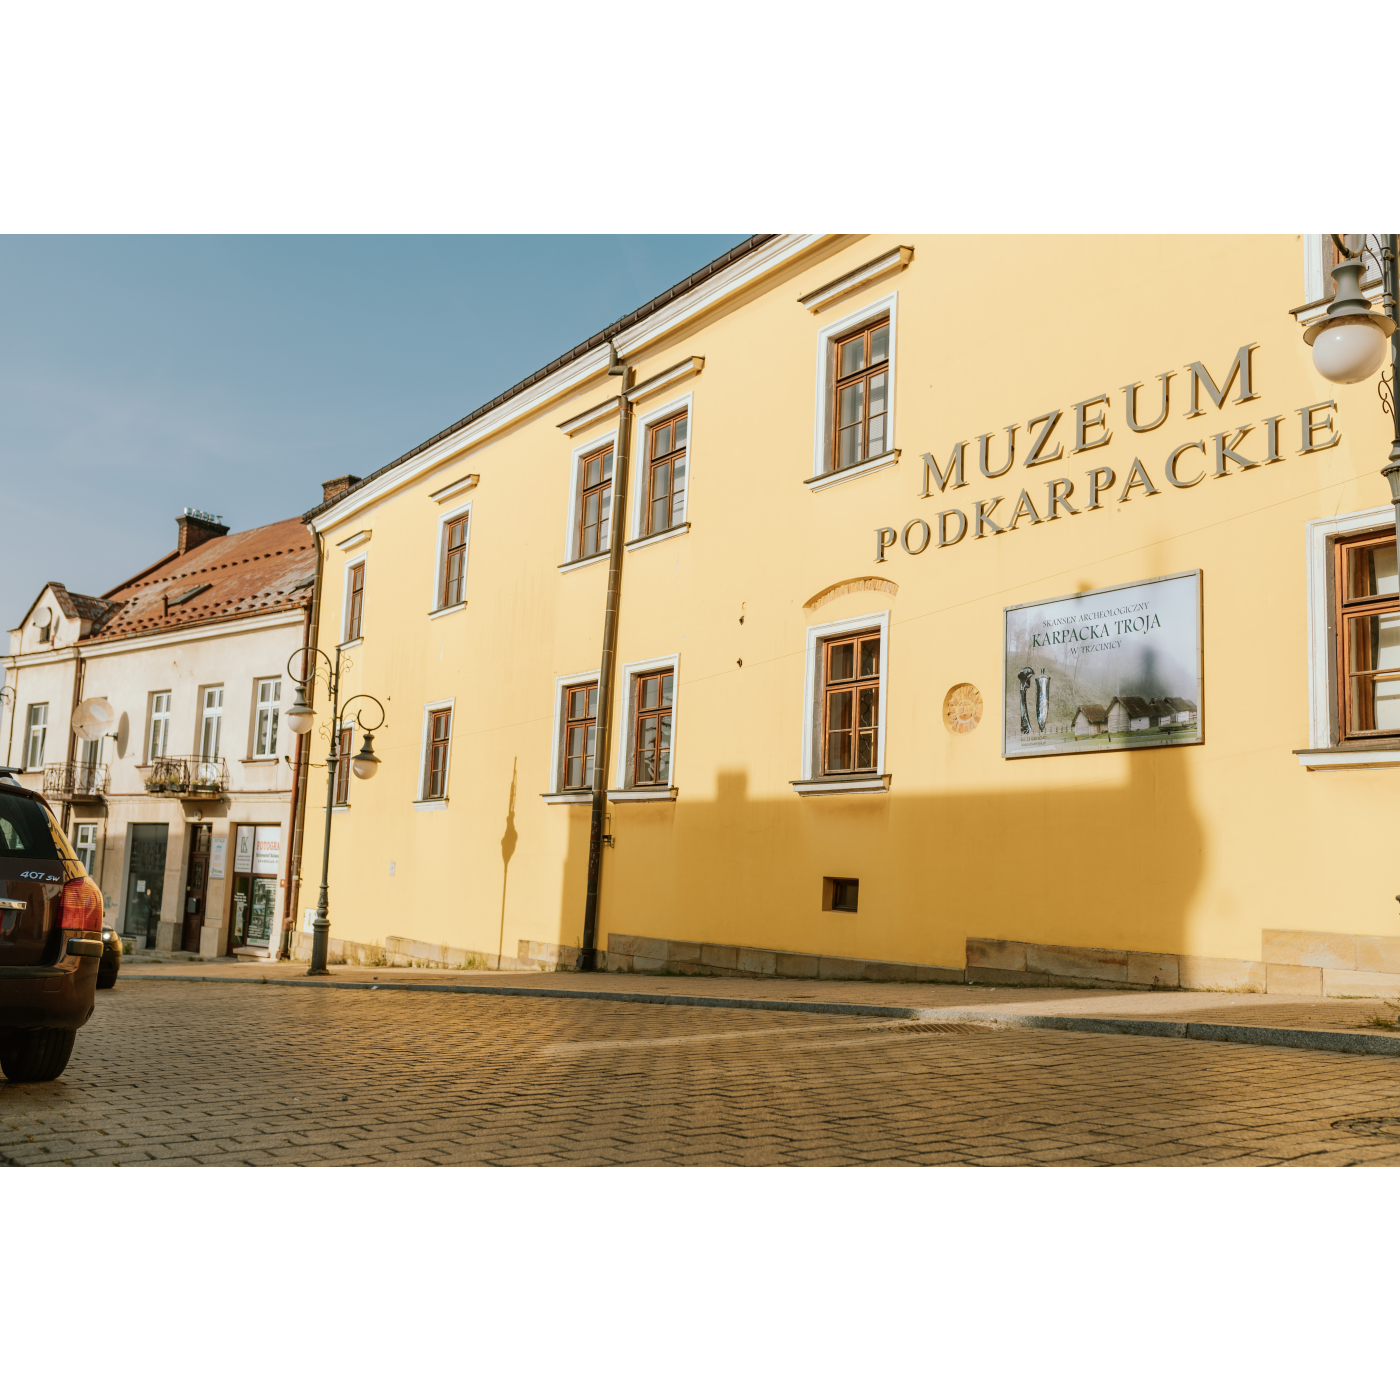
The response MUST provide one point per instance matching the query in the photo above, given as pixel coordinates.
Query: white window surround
(361, 558)
(575, 468)
(826, 388)
(557, 796)
(424, 803)
(36, 732)
(1318, 289)
(813, 780)
(1326, 752)
(865, 468)
(457, 512)
(643, 461)
(682, 529)
(625, 791)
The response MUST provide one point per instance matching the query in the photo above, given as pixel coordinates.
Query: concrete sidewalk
(1332, 1023)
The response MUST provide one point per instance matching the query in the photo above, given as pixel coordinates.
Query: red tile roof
(267, 570)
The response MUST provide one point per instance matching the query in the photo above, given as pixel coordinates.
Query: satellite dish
(93, 719)
(42, 616)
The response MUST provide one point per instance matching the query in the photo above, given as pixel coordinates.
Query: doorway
(196, 886)
(257, 863)
(145, 880)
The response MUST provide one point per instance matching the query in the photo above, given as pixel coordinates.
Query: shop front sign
(1103, 671)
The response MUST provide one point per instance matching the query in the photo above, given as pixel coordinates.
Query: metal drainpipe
(80, 662)
(311, 634)
(588, 954)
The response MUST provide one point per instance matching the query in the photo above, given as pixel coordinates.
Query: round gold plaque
(962, 709)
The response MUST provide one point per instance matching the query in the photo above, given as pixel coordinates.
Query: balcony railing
(66, 781)
(188, 774)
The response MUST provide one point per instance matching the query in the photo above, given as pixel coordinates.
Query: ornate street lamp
(300, 717)
(1348, 343)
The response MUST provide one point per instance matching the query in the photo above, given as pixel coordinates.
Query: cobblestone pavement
(245, 1075)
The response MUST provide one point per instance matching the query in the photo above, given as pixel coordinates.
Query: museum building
(1014, 609)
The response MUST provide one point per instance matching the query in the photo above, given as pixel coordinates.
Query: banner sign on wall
(1109, 670)
(243, 851)
(267, 852)
(216, 858)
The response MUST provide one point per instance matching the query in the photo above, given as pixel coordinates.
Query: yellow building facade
(964, 460)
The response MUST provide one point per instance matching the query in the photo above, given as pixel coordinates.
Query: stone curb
(1337, 1042)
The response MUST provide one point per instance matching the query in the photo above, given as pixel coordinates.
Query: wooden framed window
(160, 725)
(851, 703)
(666, 458)
(862, 395)
(595, 503)
(1368, 636)
(38, 734)
(652, 702)
(439, 737)
(355, 615)
(343, 751)
(580, 734)
(454, 562)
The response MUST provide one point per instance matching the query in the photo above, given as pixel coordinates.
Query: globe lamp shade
(1349, 349)
(365, 764)
(300, 717)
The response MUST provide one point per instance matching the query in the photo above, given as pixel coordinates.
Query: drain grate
(939, 1027)
(1369, 1127)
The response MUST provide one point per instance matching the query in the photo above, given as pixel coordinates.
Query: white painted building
(184, 813)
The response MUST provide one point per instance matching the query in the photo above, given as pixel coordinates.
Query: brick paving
(203, 1074)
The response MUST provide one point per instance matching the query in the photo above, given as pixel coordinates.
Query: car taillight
(82, 906)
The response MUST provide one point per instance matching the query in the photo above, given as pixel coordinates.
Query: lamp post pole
(364, 764)
(1391, 304)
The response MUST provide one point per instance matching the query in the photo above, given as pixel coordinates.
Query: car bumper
(60, 997)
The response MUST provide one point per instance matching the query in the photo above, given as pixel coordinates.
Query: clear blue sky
(141, 375)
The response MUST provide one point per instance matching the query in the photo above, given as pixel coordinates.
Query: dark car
(50, 938)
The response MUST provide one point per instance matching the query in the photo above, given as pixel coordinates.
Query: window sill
(644, 794)
(432, 804)
(265, 758)
(564, 799)
(863, 782)
(338, 808)
(446, 612)
(681, 529)
(583, 563)
(1384, 755)
(346, 646)
(865, 468)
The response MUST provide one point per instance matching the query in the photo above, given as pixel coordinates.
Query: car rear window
(25, 829)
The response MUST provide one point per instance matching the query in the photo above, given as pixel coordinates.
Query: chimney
(197, 526)
(336, 485)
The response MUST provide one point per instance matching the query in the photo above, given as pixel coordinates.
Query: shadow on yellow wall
(1104, 866)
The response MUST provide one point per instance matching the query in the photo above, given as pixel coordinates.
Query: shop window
(160, 726)
(595, 503)
(862, 396)
(1367, 601)
(652, 700)
(355, 602)
(580, 735)
(269, 701)
(851, 704)
(344, 751)
(664, 504)
(452, 568)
